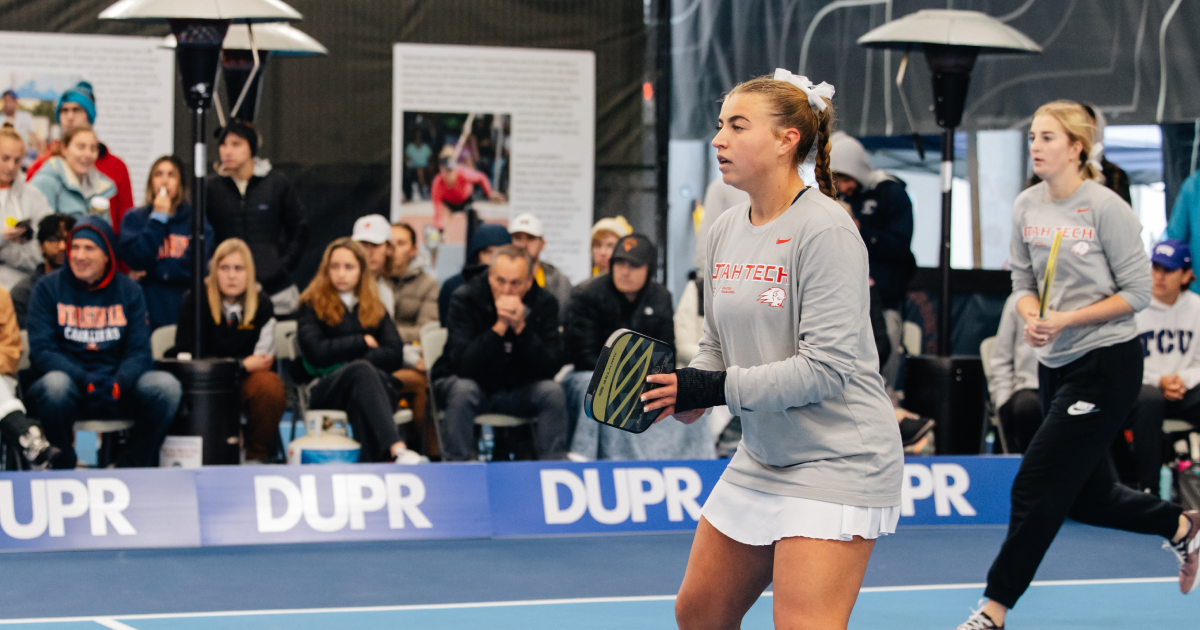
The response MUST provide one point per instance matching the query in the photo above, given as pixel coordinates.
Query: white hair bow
(816, 93)
(1095, 155)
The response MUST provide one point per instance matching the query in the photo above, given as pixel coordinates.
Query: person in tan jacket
(416, 295)
(16, 428)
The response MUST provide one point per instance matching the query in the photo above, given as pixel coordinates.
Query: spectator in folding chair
(488, 237)
(416, 294)
(77, 108)
(1171, 372)
(351, 348)
(1013, 380)
(626, 297)
(22, 206)
(17, 428)
(237, 321)
(89, 343)
(503, 351)
(52, 233)
(156, 242)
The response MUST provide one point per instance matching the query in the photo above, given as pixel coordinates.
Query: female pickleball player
(1089, 361)
(788, 346)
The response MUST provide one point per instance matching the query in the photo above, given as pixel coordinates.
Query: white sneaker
(577, 458)
(979, 620)
(410, 457)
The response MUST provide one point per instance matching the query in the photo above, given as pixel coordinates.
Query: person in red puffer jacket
(77, 108)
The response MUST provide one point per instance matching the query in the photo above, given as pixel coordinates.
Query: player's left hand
(662, 397)
(1039, 332)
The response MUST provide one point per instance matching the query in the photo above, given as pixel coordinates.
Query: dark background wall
(327, 122)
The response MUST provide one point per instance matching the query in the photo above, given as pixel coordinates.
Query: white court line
(107, 619)
(113, 624)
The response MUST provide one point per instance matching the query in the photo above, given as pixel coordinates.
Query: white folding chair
(161, 340)
(910, 338)
(987, 350)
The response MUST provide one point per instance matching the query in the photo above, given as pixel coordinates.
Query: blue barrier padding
(241, 505)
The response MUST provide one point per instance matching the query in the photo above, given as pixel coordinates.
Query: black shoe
(913, 429)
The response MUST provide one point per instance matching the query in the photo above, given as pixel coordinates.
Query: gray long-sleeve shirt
(1014, 364)
(1101, 255)
(789, 322)
(22, 202)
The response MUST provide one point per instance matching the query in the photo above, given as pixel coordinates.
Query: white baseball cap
(527, 223)
(373, 229)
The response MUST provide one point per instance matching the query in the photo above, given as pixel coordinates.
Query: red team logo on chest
(773, 297)
(773, 274)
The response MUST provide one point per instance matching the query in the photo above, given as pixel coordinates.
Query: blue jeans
(575, 387)
(58, 401)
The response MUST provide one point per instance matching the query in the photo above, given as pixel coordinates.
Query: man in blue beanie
(77, 108)
(485, 240)
(89, 343)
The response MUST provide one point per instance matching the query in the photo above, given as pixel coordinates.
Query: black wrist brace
(699, 389)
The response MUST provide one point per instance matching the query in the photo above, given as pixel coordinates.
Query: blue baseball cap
(1172, 254)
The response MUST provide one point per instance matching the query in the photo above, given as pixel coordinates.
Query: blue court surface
(920, 578)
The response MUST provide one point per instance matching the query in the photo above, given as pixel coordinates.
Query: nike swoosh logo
(1080, 408)
(781, 241)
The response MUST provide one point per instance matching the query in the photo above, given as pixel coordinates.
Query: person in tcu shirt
(90, 348)
(1171, 378)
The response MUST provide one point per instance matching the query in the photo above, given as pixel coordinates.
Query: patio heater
(200, 27)
(243, 79)
(942, 386)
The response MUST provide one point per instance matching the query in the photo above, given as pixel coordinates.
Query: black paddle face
(613, 396)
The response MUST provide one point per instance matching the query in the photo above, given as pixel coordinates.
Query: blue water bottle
(1164, 483)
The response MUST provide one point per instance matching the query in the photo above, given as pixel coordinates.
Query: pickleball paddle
(614, 393)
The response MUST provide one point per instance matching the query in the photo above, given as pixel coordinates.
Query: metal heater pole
(944, 326)
(662, 129)
(199, 205)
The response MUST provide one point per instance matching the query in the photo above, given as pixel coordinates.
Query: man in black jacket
(248, 200)
(503, 351)
(626, 297)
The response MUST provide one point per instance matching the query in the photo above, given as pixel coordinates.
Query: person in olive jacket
(351, 347)
(502, 353)
(248, 200)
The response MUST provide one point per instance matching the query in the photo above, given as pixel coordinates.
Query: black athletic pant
(369, 399)
(1020, 416)
(1146, 423)
(1068, 471)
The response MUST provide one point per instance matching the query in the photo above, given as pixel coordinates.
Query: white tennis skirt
(752, 517)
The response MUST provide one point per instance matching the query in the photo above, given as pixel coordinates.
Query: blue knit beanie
(81, 94)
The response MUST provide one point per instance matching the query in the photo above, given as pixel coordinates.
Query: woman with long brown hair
(351, 347)
(237, 324)
(788, 347)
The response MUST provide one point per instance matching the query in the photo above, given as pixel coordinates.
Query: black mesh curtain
(327, 122)
(1103, 51)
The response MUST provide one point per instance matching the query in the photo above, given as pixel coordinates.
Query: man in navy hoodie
(89, 342)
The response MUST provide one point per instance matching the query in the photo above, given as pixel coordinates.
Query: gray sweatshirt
(789, 323)
(1014, 364)
(1101, 255)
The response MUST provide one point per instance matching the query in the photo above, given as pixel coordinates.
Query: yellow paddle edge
(1051, 265)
